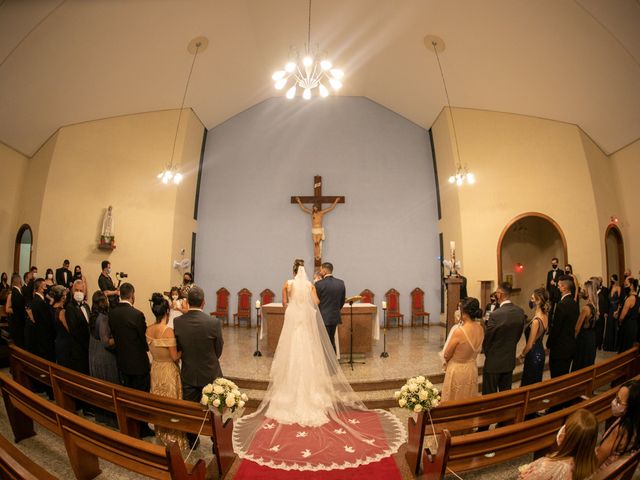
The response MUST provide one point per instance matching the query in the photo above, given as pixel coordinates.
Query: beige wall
(13, 166)
(89, 166)
(626, 163)
(522, 164)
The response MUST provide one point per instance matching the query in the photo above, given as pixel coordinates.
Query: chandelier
(307, 72)
(462, 174)
(171, 172)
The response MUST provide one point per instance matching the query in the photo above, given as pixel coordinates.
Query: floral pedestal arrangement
(224, 399)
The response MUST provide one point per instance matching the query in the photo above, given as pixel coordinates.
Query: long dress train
(310, 418)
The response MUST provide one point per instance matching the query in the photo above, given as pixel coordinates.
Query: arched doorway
(525, 249)
(614, 248)
(22, 253)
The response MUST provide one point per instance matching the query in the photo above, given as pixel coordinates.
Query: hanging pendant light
(171, 174)
(307, 71)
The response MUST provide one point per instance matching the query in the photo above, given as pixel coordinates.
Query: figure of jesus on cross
(317, 214)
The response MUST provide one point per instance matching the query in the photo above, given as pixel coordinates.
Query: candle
(452, 246)
(257, 303)
(384, 305)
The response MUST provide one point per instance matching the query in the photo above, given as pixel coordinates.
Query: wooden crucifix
(317, 213)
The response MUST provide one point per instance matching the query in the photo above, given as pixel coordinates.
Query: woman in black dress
(628, 320)
(586, 329)
(63, 339)
(610, 341)
(533, 352)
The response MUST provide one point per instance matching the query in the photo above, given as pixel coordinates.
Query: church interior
(459, 140)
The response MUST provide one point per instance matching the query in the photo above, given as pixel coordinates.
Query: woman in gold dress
(165, 374)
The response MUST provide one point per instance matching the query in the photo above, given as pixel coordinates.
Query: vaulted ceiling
(64, 62)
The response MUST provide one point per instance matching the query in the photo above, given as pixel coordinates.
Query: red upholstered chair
(244, 308)
(266, 297)
(222, 306)
(367, 296)
(393, 307)
(417, 307)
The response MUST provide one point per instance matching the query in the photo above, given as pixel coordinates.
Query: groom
(331, 293)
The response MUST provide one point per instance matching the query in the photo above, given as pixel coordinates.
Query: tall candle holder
(257, 353)
(384, 353)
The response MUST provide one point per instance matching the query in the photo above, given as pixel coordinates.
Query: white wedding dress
(310, 418)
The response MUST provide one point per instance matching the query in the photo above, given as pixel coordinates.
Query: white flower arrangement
(223, 396)
(418, 395)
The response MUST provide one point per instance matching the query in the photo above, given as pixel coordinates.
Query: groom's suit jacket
(332, 294)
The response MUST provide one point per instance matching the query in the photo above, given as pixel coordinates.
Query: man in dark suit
(603, 311)
(77, 313)
(553, 276)
(64, 276)
(128, 328)
(18, 315)
(45, 332)
(331, 292)
(504, 329)
(199, 338)
(562, 342)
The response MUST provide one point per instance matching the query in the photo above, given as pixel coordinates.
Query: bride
(310, 417)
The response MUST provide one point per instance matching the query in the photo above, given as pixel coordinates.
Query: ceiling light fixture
(171, 172)
(308, 72)
(462, 174)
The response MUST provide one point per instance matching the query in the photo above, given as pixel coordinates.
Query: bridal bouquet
(418, 395)
(223, 396)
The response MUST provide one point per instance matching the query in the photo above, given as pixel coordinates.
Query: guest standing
(461, 353)
(128, 328)
(585, 331)
(16, 308)
(562, 342)
(504, 329)
(575, 288)
(48, 280)
(78, 275)
(602, 293)
(628, 322)
(165, 374)
(102, 357)
(63, 339)
(4, 285)
(199, 338)
(178, 305)
(610, 340)
(623, 436)
(553, 276)
(105, 283)
(63, 275)
(575, 458)
(45, 331)
(77, 315)
(533, 352)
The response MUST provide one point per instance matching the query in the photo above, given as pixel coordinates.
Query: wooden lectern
(453, 299)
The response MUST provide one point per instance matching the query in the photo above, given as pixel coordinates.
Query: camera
(122, 275)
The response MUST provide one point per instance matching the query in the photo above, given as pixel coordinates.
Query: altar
(366, 327)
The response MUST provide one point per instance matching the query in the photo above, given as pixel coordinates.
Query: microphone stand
(351, 361)
(257, 353)
(384, 353)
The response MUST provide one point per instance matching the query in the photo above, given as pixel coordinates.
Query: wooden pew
(481, 449)
(15, 465)
(513, 406)
(86, 441)
(130, 406)
(623, 469)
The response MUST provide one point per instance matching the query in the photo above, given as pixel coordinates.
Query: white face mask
(49, 276)
(457, 315)
(78, 296)
(175, 297)
(108, 271)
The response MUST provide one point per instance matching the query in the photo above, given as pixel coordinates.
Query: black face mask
(554, 266)
(532, 304)
(78, 274)
(567, 272)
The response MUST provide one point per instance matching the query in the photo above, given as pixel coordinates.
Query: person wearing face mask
(4, 285)
(177, 304)
(628, 320)
(610, 339)
(105, 283)
(553, 276)
(561, 341)
(623, 436)
(187, 282)
(63, 275)
(77, 315)
(27, 289)
(5, 289)
(533, 351)
(576, 457)
(63, 339)
(48, 281)
(16, 308)
(575, 289)
(602, 295)
(44, 328)
(503, 331)
(585, 331)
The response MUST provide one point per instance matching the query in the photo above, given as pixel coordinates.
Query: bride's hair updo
(159, 306)
(471, 307)
(297, 263)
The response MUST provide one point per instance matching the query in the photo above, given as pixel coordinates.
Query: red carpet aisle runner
(328, 445)
(385, 469)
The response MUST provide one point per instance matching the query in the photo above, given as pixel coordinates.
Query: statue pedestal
(453, 299)
(107, 243)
